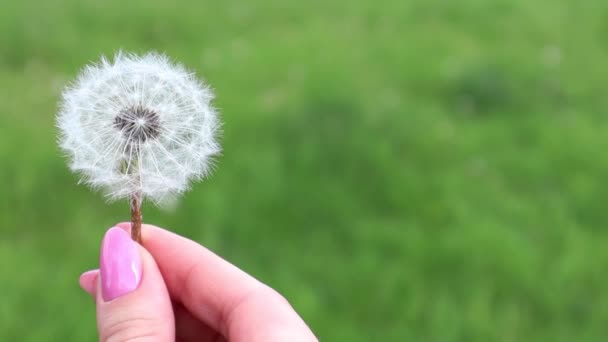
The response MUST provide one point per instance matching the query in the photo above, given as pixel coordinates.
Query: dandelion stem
(136, 218)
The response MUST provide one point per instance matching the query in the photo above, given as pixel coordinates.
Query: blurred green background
(399, 170)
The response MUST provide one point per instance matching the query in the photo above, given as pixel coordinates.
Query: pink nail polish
(119, 264)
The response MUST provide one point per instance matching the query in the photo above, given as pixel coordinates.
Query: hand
(177, 290)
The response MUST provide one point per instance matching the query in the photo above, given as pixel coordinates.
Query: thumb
(131, 297)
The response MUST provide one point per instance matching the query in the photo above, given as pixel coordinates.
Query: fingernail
(119, 264)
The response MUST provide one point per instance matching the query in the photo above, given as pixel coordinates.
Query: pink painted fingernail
(119, 264)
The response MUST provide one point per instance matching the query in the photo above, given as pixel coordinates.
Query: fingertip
(124, 225)
(146, 230)
(88, 281)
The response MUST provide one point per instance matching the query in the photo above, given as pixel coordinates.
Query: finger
(132, 300)
(221, 295)
(203, 282)
(88, 281)
(187, 327)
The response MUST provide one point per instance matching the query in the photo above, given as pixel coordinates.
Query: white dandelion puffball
(138, 127)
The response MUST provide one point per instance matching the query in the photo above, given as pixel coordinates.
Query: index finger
(220, 294)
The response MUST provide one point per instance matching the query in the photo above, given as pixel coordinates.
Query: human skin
(173, 289)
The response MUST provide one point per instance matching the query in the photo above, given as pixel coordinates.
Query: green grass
(399, 170)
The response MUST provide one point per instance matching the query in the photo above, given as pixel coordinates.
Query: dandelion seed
(138, 127)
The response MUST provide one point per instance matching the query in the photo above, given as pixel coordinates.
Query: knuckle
(138, 329)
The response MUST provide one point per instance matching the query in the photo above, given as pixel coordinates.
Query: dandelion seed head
(138, 126)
